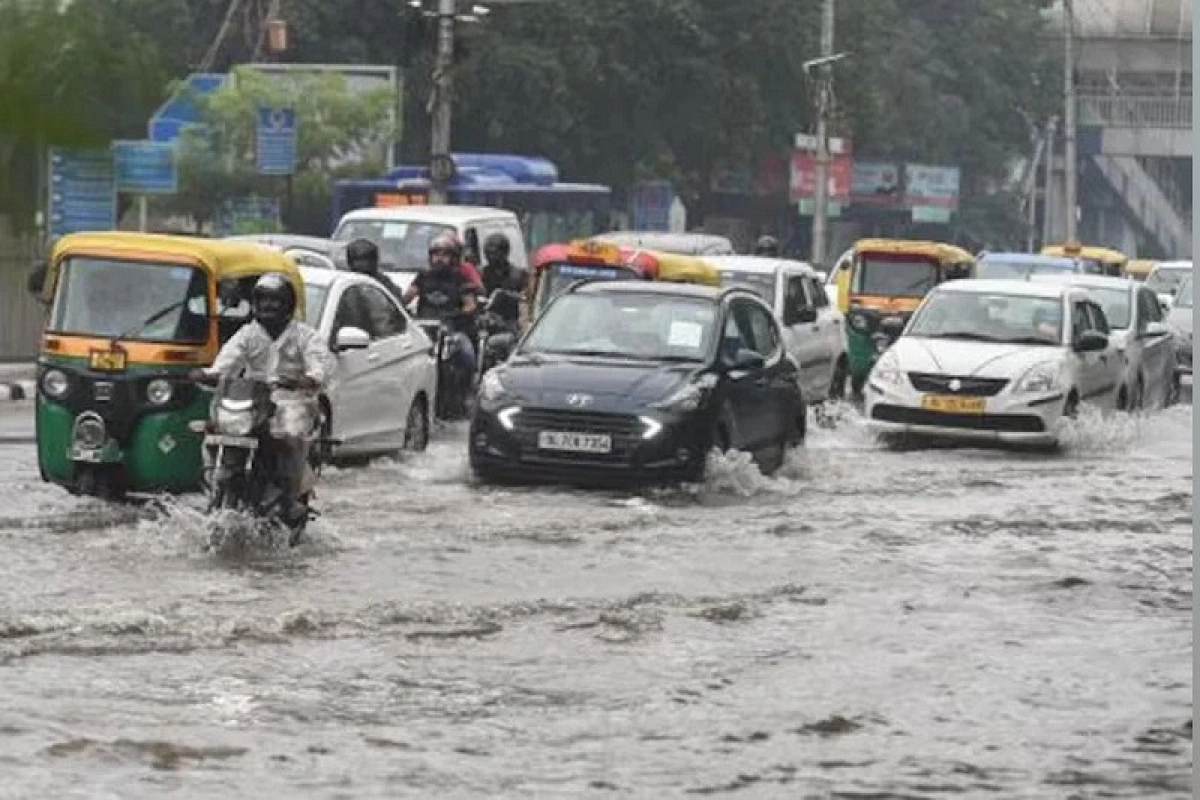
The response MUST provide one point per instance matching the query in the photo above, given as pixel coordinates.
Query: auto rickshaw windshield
(894, 277)
(134, 300)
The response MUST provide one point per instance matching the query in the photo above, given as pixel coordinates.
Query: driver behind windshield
(1047, 323)
(276, 346)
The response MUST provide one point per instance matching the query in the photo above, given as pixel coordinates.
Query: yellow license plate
(107, 360)
(952, 404)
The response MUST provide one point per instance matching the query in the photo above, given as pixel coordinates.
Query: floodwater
(868, 624)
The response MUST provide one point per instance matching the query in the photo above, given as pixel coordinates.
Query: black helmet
(497, 246)
(274, 302)
(766, 245)
(362, 256)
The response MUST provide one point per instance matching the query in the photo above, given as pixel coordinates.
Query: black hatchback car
(637, 381)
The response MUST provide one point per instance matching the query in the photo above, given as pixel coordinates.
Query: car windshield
(1021, 270)
(1116, 305)
(314, 303)
(559, 277)
(649, 327)
(894, 277)
(761, 285)
(1183, 298)
(989, 317)
(402, 245)
(134, 300)
(1165, 281)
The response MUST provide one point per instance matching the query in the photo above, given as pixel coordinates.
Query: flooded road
(868, 624)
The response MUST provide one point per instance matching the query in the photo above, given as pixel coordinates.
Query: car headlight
(159, 391)
(1041, 378)
(55, 383)
(234, 423)
(888, 371)
(491, 388)
(688, 397)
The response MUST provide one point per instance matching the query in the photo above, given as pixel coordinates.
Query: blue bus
(549, 211)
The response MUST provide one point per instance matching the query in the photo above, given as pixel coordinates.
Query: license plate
(86, 455)
(952, 404)
(575, 442)
(215, 439)
(107, 360)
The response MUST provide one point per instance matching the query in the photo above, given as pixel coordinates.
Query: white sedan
(1140, 333)
(996, 360)
(386, 380)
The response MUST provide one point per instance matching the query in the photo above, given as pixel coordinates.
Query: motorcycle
(453, 385)
(498, 336)
(244, 474)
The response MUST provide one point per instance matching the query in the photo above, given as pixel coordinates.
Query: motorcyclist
(276, 346)
(446, 294)
(500, 274)
(362, 256)
(767, 245)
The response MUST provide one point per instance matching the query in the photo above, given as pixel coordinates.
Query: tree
(340, 133)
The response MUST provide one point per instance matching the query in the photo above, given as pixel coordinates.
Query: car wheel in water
(416, 427)
(837, 388)
(1071, 407)
(1138, 401)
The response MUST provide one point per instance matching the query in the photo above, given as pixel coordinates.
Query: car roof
(1001, 286)
(757, 265)
(664, 288)
(447, 215)
(326, 278)
(1027, 258)
(694, 244)
(1087, 281)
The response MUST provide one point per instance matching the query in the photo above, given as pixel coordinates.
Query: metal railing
(1132, 111)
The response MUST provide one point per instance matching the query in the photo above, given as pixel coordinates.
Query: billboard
(876, 183)
(804, 176)
(931, 186)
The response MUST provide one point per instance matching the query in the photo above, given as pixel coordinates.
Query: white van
(812, 326)
(403, 233)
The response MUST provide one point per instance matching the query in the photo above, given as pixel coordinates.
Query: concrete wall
(20, 316)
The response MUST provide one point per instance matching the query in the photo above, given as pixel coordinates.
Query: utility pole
(1047, 192)
(442, 100)
(1070, 167)
(821, 189)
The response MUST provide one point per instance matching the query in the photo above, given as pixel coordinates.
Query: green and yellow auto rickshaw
(129, 315)
(880, 283)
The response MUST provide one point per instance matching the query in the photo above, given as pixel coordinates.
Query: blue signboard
(145, 167)
(183, 109)
(652, 206)
(275, 153)
(82, 192)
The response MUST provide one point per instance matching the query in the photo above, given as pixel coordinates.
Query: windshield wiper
(1029, 340)
(975, 337)
(150, 320)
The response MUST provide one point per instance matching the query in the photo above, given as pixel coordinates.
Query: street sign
(652, 206)
(183, 109)
(145, 167)
(275, 151)
(82, 192)
(807, 142)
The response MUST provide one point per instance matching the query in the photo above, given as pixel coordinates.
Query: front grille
(625, 430)
(970, 387)
(1001, 423)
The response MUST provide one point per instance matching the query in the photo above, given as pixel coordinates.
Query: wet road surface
(867, 624)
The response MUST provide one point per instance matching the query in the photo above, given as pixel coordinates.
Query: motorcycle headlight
(888, 372)
(1041, 378)
(688, 397)
(234, 423)
(491, 388)
(55, 383)
(159, 391)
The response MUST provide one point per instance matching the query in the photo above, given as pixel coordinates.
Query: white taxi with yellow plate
(995, 359)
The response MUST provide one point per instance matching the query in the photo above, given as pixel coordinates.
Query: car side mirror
(37, 282)
(1091, 342)
(1155, 330)
(351, 338)
(747, 359)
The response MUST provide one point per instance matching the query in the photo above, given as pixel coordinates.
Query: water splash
(1096, 431)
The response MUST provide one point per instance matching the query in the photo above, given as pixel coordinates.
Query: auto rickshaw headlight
(858, 321)
(159, 391)
(55, 383)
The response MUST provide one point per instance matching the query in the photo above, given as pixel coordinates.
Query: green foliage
(339, 133)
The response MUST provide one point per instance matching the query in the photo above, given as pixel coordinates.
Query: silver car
(1180, 322)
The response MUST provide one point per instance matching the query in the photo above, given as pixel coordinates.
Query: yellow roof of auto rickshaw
(222, 258)
(678, 268)
(1140, 266)
(1105, 255)
(944, 253)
